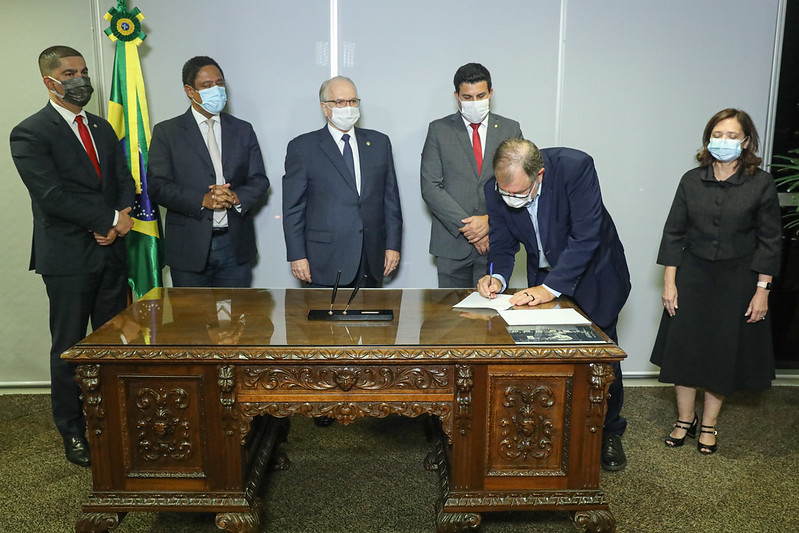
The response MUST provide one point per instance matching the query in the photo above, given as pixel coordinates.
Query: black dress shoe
(77, 450)
(613, 457)
(323, 421)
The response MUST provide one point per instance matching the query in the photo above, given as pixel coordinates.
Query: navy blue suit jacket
(68, 199)
(579, 238)
(179, 172)
(324, 218)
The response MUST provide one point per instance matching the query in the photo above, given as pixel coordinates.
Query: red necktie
(477, 146)
(87, 143)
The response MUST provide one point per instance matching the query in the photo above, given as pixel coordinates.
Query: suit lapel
(228, 142)
(464, 140)
(526, 229)
(545, 205)
(328, 147)
(365, 158)
(65, 131)
(492, 136)
(195, 140)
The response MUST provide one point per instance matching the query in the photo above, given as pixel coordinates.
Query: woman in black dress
(720, 248)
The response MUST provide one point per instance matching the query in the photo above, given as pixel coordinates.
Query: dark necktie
(348, 159)
(86, 139)
(477, 146)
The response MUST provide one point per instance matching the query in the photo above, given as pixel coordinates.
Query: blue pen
(490, 274)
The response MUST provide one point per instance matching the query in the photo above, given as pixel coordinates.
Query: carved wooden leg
(432, 426)
(447, 522)
(248, 522)
(456, 522)
(595, 521)
(279, 460)
(98, 522)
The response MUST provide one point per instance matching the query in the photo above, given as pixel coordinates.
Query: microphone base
(352, 315)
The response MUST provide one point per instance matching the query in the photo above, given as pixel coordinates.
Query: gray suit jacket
(451, 187)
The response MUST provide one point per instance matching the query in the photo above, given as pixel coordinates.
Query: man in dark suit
(206, 168)
(549, 201)
(341, 206)
(456, 163)
(81, 193)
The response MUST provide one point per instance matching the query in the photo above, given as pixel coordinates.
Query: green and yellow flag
(127, 113)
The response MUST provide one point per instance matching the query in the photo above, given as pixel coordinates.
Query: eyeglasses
(355, 102)
(525, 194)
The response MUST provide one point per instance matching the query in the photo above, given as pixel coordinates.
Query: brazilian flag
(127, 113)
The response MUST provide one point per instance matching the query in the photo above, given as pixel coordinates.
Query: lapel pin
(368, 143)
(496, 126)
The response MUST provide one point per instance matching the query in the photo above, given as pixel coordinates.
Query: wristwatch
(764, 285)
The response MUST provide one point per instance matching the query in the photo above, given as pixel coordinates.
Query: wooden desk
(174, 394)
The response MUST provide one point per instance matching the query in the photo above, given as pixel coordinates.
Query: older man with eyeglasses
(549, 201)
(341, 208)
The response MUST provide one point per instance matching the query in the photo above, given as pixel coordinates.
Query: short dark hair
(518, 152)
(471, 73)
(194, 65)
(748, 160)
(50, 58)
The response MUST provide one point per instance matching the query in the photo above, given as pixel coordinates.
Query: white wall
(27, 28)
(631, 82)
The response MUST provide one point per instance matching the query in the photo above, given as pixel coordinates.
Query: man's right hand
(482, 245)
(301, 270)
(125, 222)
(219, 197)
(489, 287)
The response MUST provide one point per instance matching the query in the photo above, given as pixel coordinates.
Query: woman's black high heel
(707, 449)
(690, 428)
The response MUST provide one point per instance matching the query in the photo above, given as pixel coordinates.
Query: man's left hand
(475, 228)
(532, 296)
(224, 195)
(105, 240)
(391, 262)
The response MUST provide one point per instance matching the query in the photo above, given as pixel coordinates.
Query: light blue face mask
(214, 99)
(724, 150)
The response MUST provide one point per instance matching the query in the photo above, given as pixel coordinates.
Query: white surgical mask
(725, 150)
(214, 99)
(515, 201)
(344, 118)
(475, 111)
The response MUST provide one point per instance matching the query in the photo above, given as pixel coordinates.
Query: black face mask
(77, 91)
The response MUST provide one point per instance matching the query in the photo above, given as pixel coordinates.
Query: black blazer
(179, 171)
(68, 200)
(719, 220)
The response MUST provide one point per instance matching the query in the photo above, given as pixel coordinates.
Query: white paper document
(475, 301)
(542, 317)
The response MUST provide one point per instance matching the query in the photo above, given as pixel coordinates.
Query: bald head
(514, 153)
(336, 84)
